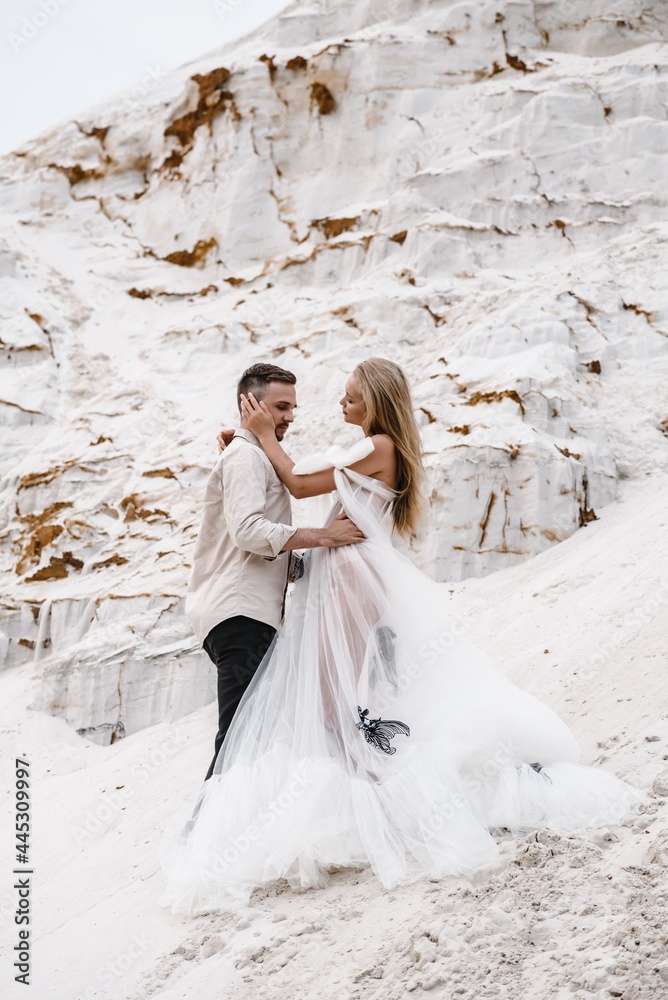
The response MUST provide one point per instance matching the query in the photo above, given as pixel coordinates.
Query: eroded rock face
(473, 190)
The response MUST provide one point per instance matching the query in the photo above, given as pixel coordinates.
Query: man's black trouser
(236, 646)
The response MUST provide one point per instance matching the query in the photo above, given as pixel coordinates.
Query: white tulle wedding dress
(308, 779)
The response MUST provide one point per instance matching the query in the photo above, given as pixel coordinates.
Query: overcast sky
(58, 57)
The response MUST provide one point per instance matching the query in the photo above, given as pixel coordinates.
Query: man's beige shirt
(238, 567)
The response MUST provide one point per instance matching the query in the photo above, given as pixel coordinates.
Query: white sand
(563, 916)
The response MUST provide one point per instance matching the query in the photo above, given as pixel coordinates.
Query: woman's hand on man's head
(257, 418)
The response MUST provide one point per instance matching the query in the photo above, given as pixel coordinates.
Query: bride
(373, 732)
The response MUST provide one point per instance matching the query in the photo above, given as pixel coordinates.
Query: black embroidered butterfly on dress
(379, 732)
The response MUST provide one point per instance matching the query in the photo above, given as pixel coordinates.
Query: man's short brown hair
(256, 379)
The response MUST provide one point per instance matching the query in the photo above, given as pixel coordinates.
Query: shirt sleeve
(245, 486)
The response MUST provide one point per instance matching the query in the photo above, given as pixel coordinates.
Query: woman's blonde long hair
(389, 410)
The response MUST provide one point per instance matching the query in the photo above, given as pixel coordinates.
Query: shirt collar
(247, 436)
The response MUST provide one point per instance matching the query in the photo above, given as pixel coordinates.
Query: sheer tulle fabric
(298, 790)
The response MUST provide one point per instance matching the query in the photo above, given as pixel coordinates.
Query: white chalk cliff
(476, 190)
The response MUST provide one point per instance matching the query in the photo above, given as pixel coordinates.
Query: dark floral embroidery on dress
(538, 768)
(379, 732)
(385, 659)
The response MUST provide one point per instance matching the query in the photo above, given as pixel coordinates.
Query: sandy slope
(578, 916)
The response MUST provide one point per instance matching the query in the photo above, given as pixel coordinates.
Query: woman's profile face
(354, 410)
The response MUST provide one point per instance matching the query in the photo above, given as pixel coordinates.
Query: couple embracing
(344, 739)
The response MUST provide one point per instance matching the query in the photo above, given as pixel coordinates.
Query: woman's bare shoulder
(384, 445)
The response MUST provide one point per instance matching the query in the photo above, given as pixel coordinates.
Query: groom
(236, 592)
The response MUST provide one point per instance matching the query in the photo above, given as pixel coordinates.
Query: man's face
(281, 401)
